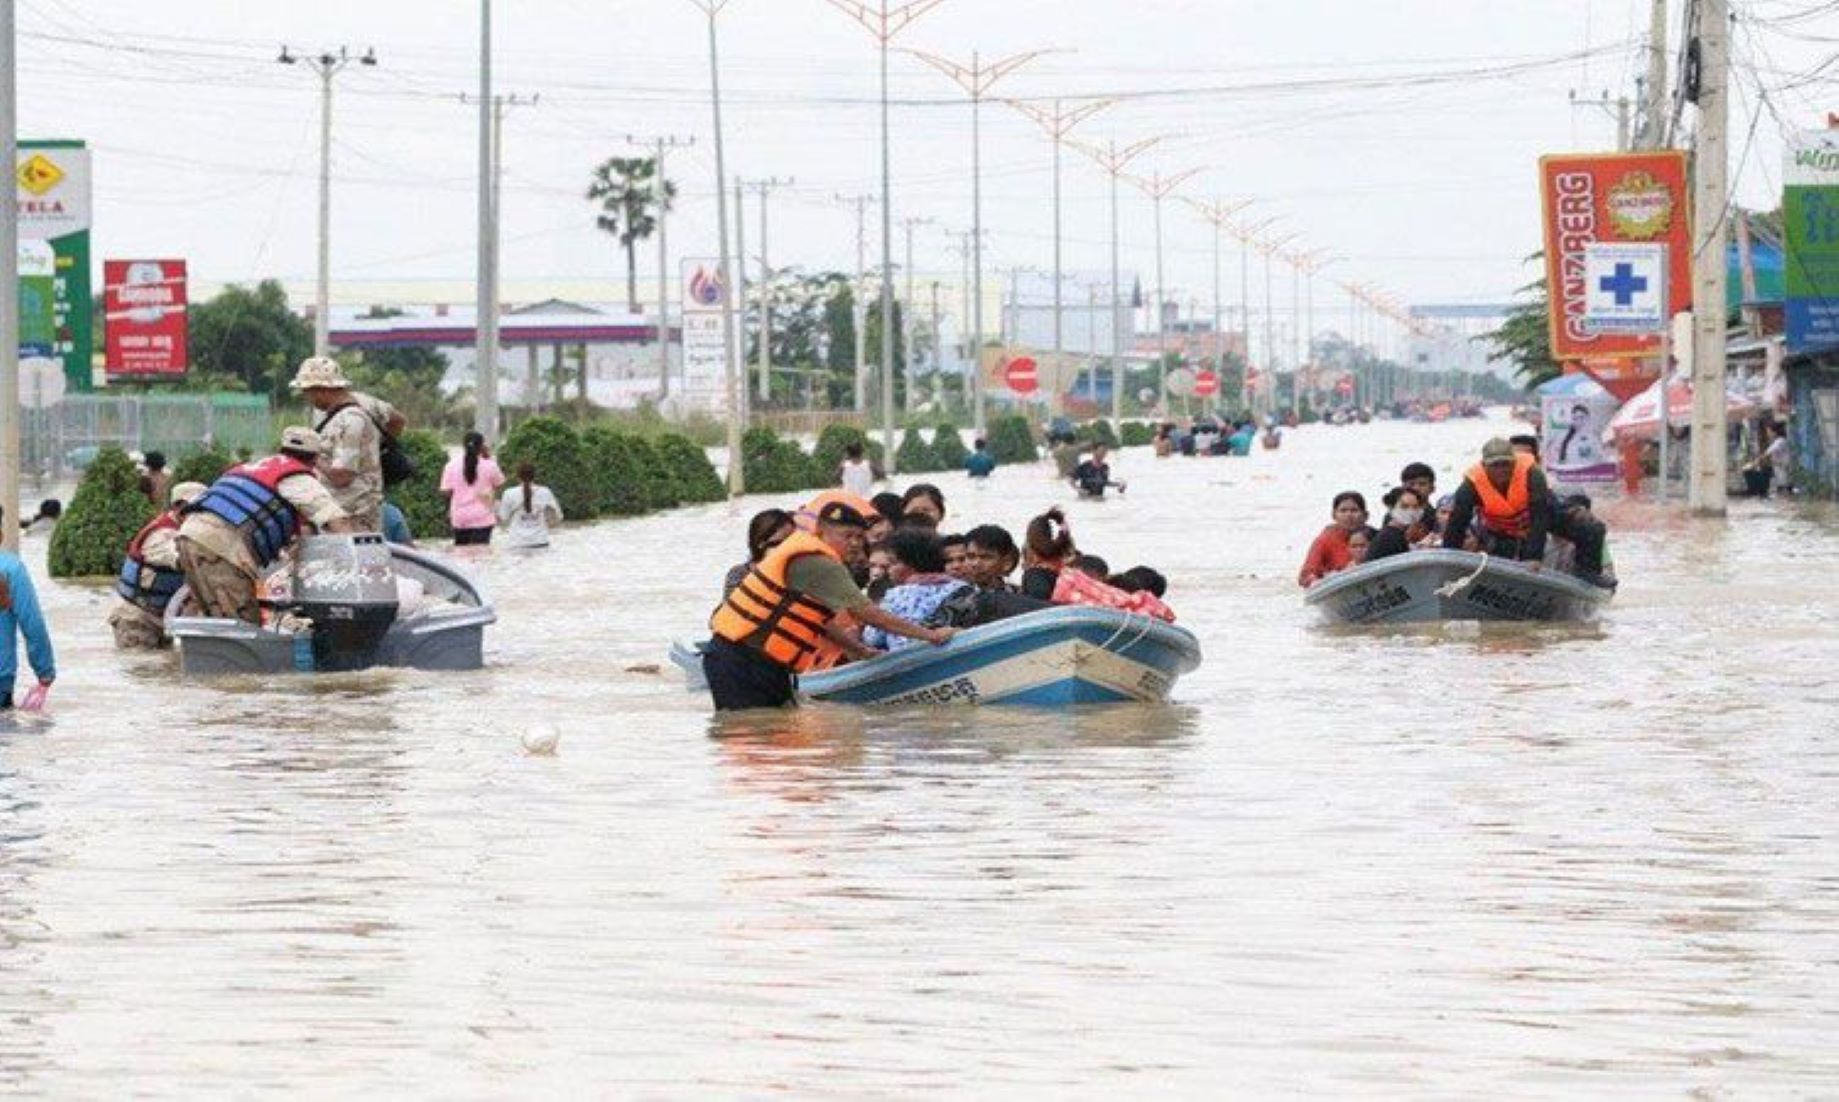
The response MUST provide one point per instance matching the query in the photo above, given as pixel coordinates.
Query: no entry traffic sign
(1021, 375)
(1206, 384)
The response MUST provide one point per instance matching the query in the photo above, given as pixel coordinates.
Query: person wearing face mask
(1405, 512)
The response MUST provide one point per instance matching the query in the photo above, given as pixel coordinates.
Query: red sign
(1021, 376)
(144, 305)
(1206, 384)
(1345, 386)
(1611, 197)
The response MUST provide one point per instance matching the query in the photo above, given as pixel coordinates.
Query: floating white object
(541, 741)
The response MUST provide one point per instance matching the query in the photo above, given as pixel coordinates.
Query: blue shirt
(980, 464)
(396, 526)
(22, 616)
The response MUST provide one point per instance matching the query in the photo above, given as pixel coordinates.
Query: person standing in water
(471, 482)
(528, 512)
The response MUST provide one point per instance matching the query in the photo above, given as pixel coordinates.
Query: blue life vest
(249, 498)
(141, 583)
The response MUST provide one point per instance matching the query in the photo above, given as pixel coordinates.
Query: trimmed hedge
(692, 475)
(948, 449)
(420, 498)
(1098, 432)
(774, 466)
(914, 456)
(1011, 441)
(103, 518)
(202, 466)
(616, 463)
(828, 454)
(1138, 434)
(561, 463)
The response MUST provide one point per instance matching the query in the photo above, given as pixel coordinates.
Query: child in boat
(1357, 545)
(990, 556)
(768, 529)
(1329, 553)
(1047, 548)
(880, 570)
(954, 548)
(919, 584)
(1144, 589)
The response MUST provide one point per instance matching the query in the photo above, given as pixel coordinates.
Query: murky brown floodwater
(1528, 863)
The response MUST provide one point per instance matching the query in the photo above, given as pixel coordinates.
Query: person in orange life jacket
(777, 621)
(241, 525)
(1587, 535)
(1510, 493)
(150, 576)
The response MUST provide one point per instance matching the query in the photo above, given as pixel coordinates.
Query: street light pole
(1114, 160)
(1219, 213)
(737, 482)
(859, 313)
(907, 325)
(9, 285)
(1159, 187)
(764, 189)
(326, 66)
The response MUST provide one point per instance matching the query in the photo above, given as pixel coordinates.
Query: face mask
(1407, 517)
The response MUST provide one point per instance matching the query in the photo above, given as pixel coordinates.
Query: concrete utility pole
(487, 346)
(938, 377)
(977, 79)
(1058, 122)
(1218, 214)
(1114, 161)
(1706, 492)
(1655, 105)
(858, 313)
(326, 66)
(966, 342)
(1269, 248)
(740, 298)
(736, 392)
(659, 146)
(9, 284)
(907, 315)
(1159, 187)
(1247, 235)
(1620, 106)
(764, 189)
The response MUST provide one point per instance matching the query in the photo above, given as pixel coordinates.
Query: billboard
(1810, 220)
(1629, 198)
(144, 317)
(51, 190)
(704, 292)
(37, 300)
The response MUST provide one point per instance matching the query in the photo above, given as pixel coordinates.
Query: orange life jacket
(765, 613)
(1507, 515)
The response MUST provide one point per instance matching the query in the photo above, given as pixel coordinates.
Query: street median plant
(202, 466)
(104, 516)
(692, 475)
(423, 505)
(914, 456)
(1138, 434)
(561, 460)
(948, 449)
(1011, 441)
(771, 465)
(617, 461)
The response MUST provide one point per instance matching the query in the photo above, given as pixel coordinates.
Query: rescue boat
(1057, 656)
(1426, 586)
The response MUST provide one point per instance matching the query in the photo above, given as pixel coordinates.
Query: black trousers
(1587, 536)
(740, 678)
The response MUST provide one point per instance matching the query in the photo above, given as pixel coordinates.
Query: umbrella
(1640, 417)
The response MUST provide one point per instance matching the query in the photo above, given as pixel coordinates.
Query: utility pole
(906, 313)
(1114, 161)
(858, 313)
(1159, 187)
(1269, 248)
(1620, 108)
(977, 79)
(1707, 491)
(1655, 108)
(938, 378)
(967, 344)
(885, 23)
(764, 189)
(737, 482)
(326, 66)
(486, 325)
(1218, 213)
(9, 284)
(1247, 235)
(740, 299)
(659, 146)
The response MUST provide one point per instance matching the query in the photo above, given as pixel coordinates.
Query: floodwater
(1534, 863)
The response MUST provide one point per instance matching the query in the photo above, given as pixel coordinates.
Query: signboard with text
(704, 291)
(51, 191)
(1810, 221)
(1615, 198)
(144, 317)
(1625, 288)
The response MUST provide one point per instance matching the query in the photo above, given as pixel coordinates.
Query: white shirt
(859, 477)
(528, 529)
(1778, 458)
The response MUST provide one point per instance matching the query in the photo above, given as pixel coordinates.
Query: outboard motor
(346, 585)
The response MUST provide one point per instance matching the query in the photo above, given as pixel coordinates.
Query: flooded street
(1532, 862)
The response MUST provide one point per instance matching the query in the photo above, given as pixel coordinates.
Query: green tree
(948, 449)
(1011, 441)
(1524, 338)
(561, 460)
(631, 195)
(420, 498)
(107, 512)
(250, 337)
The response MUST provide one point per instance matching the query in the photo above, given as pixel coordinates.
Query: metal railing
(64, 438)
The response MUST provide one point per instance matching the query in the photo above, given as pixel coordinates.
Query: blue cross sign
(1624, 284)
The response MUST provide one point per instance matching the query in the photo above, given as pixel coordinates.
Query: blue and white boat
(1058, 656)
(1426, 586)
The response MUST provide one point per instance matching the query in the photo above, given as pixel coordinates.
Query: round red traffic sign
(1021, 375)
(1206, 384)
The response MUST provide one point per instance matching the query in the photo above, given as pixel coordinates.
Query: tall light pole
(9, 285)
(327, 65)
(1114, 160)
(1218, 213)
(858, 312)
(659, 146)
(764, 189)
(1058, 123)
(737, 482)
(906, 312)
(486, 326)
(1246, 235)
(977, 79)
(1159, 187)
(1269, 248)
(885, 23)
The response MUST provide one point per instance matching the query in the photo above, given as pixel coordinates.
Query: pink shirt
(471, 505)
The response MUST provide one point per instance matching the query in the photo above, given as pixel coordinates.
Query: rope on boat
(1460, 584)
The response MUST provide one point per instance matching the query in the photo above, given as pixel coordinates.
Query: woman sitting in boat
(919, 585)
(1404, 521)
(1329, 553)
(923, 505)
(767, 530)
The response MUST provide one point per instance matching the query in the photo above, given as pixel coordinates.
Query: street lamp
(1159, 187)
(737, 482)
(1114, 160)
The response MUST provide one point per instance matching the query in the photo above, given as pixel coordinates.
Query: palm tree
(631, 196)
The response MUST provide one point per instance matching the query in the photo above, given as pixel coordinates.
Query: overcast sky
(206, 148)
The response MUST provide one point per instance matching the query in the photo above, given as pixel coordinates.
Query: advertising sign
(1810, 219)
(144, 306)
(1575, 410)
(1625, 288)
(1627, 198)
(51, 189)
(703, 292)
(37, 300)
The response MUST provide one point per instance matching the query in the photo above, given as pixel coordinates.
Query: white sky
(206, 149)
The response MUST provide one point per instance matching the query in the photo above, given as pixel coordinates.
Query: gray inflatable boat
(368, 603)
(1426, 586)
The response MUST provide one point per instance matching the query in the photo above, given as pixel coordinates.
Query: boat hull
(1430, 586)
(1052, 658)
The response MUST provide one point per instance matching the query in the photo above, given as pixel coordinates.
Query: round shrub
(660, 482)
(692, 475)
(104, 516)
(1138, 434)
(1098, 432)
(202, 466)
(948, 449)
(423, 505)
(617, 463)
(774, 466)
(1011, 441)
(831, 443)
(914, 456)
(561, 463)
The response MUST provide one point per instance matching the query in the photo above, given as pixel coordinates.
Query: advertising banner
(1629, 198)
(51, 190)
(1575, 411)
(703, 292)
(37, 300)
(144, 307)
(1810, 219)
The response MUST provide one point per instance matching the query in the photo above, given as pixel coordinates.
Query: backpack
(392, 458)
